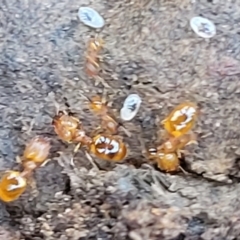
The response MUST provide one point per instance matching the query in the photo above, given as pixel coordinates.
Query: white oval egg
(90, 17)
(130, 107)
(203, 27)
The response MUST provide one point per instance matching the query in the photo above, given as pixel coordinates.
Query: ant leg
(77, 147)
(96, 35)
(96, 131)
(192, 139)
(86, 97)
(18, 159)
(105, 97)
(33, 186)
(99, 80)
(74, 153)
(45, 162)
(27, 173)
(180, 152)
(122, 127)
(91, 161)
(57, 107)
(163, 121)
(192, 142)
(92, 60)
(186, 173)
(28, 127)
(143, 148)
(100, 58)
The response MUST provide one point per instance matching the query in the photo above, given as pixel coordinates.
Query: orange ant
(69, 129)
(168, 162)
(99, 106)
(107, 145)
(176, 144)
(35, 154)
(14, 183)
(104, 146)
(178, 125)
(167, 155)
(92, 66)
(92, 59)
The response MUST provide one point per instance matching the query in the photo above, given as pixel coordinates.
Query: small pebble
(203, 27)
(130, 107)
(90, 17)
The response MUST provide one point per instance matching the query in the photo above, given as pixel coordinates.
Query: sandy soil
(151, 50)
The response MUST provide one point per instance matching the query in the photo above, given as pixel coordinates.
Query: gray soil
(151, 50)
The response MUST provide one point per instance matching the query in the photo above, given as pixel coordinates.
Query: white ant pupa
(90, 17)
(203, 27)
(130, 107)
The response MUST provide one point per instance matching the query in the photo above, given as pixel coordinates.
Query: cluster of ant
(178, 126)
(106, 146)
(104, 143)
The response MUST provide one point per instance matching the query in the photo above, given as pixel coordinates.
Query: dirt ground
(151, 50)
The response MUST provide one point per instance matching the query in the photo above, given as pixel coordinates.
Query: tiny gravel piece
(203, 27)
(90, 17)
(130, 107)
